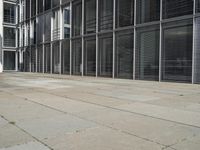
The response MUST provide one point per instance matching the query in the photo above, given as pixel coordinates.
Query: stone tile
(27, 146)
(100, 138)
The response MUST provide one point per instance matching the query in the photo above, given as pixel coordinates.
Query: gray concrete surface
(55, 112)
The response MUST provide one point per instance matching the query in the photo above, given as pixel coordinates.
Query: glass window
(175, 8)
(148, 11)
(55, 3)
(40, 6)
(65, 57)
(197, 51)
(40, 29)
(177, 51)
(77, 18)
(56, 57)
(9, 37)
(56, 25)
(47, 4)
(26, 58)
(65, 1)
(105, 15)
(47, 58)
(9, 60)
(67, 24)
(90, 16)
(33, 59)
(40, 59)
(47, 29)
(124, 55)
(197, 5)
(76, 57)
(124, 13)
(9, 13)
(27, 9)
(90, 57)
(147, 53)
(33, 8)
(105, 60)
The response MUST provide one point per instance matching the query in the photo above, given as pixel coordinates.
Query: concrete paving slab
(27, 146)
(157, 130)
(54, 126)
(167, 113)
(100, 138)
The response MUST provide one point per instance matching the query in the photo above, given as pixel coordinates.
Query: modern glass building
(8, 35)
(157, 40)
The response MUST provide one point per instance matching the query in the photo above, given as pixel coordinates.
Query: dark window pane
(124, 13)
(47, 58)
(9, 37)
(55, 3)
(124, 55)
(65, 1)
(197, 5)
(65, 57)
(9, 60)
(105, 15)
(40, 59)
(47, 25)
(76, 57)
(56, 25)
(33, 8)
(56, 57)
(175, 8)
(147, 53)
(197, 51)
(105, 60)
(90, 16)
(26, 58)
(177, 51)
(40, 29)
(90, 57)
(33, 59)
(9, 13)
(40, 6)
(27, 9)
(77, 18)
(148, 10)
(47, 4)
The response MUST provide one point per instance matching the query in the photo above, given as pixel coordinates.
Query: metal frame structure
(134, 27)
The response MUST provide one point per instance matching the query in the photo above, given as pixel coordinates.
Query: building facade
(157, 40)
(8, 40)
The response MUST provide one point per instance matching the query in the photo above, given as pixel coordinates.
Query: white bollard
(1, 68)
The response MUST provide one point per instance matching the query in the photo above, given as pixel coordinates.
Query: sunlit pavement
(43, 112)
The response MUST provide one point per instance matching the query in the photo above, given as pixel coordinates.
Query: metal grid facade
(134, 39)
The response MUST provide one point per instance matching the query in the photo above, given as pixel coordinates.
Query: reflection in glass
(105, 60)
(147, 53)
(77, 18)
(124, 55)
(148, 11)
(47, 58)
(56, 58)
(90, 16)
(76, 57)
(105, 15)
(177, 51)
(124, 13)
(65, 62)
(175, 8)
(90, 57)
(9, 60)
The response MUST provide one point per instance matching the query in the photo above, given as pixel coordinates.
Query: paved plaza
(56, 112)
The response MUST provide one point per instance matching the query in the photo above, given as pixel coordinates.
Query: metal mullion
(160, 45)
(114, 19)
(97, 39)
(134, 41)
(71, 38)
(193, 44)
(82, 66)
